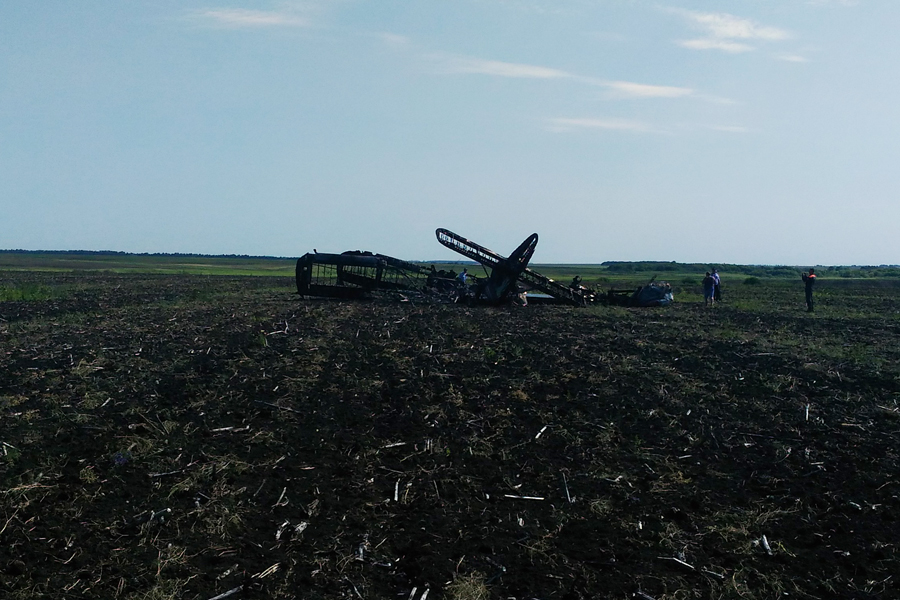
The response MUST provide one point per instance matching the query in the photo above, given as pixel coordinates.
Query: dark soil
(180, 437)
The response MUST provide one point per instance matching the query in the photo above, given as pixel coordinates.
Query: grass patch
(28, 292)
(469, 587)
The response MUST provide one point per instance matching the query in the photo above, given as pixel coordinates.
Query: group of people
(712, 288)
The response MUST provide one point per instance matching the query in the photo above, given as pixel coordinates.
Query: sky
(727, 131)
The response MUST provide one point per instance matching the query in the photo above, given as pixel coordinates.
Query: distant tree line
(120, 253)
(613, 266)
(622, 267)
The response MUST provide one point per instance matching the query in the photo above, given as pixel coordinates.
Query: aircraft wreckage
(356, 274)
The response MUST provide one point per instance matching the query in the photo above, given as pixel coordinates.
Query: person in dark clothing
(809, 279)
(708, 289)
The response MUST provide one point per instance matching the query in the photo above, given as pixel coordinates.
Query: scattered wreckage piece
(652, 294)
(353, 274)
(500, 286)
(506, 273)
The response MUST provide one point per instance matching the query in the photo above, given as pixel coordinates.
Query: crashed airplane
(355, 274)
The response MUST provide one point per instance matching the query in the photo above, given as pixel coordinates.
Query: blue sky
(742, 131)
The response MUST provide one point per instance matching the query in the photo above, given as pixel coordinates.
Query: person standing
(708, 287)
(462, 276)
(717, 284)
(809, 279)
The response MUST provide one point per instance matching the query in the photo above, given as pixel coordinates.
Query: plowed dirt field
(189, 437)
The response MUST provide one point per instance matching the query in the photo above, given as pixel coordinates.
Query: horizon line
(443, 261)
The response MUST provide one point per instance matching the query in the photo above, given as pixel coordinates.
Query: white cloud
(792, 58)
(728, 33)
(615, 90)
(566, 125)
(534, 6)
(496, 68)
(713, 44)
(239, 17)
(628, 89)
(725, 26)
(461, 64)
(716, 99)
(562, 124)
